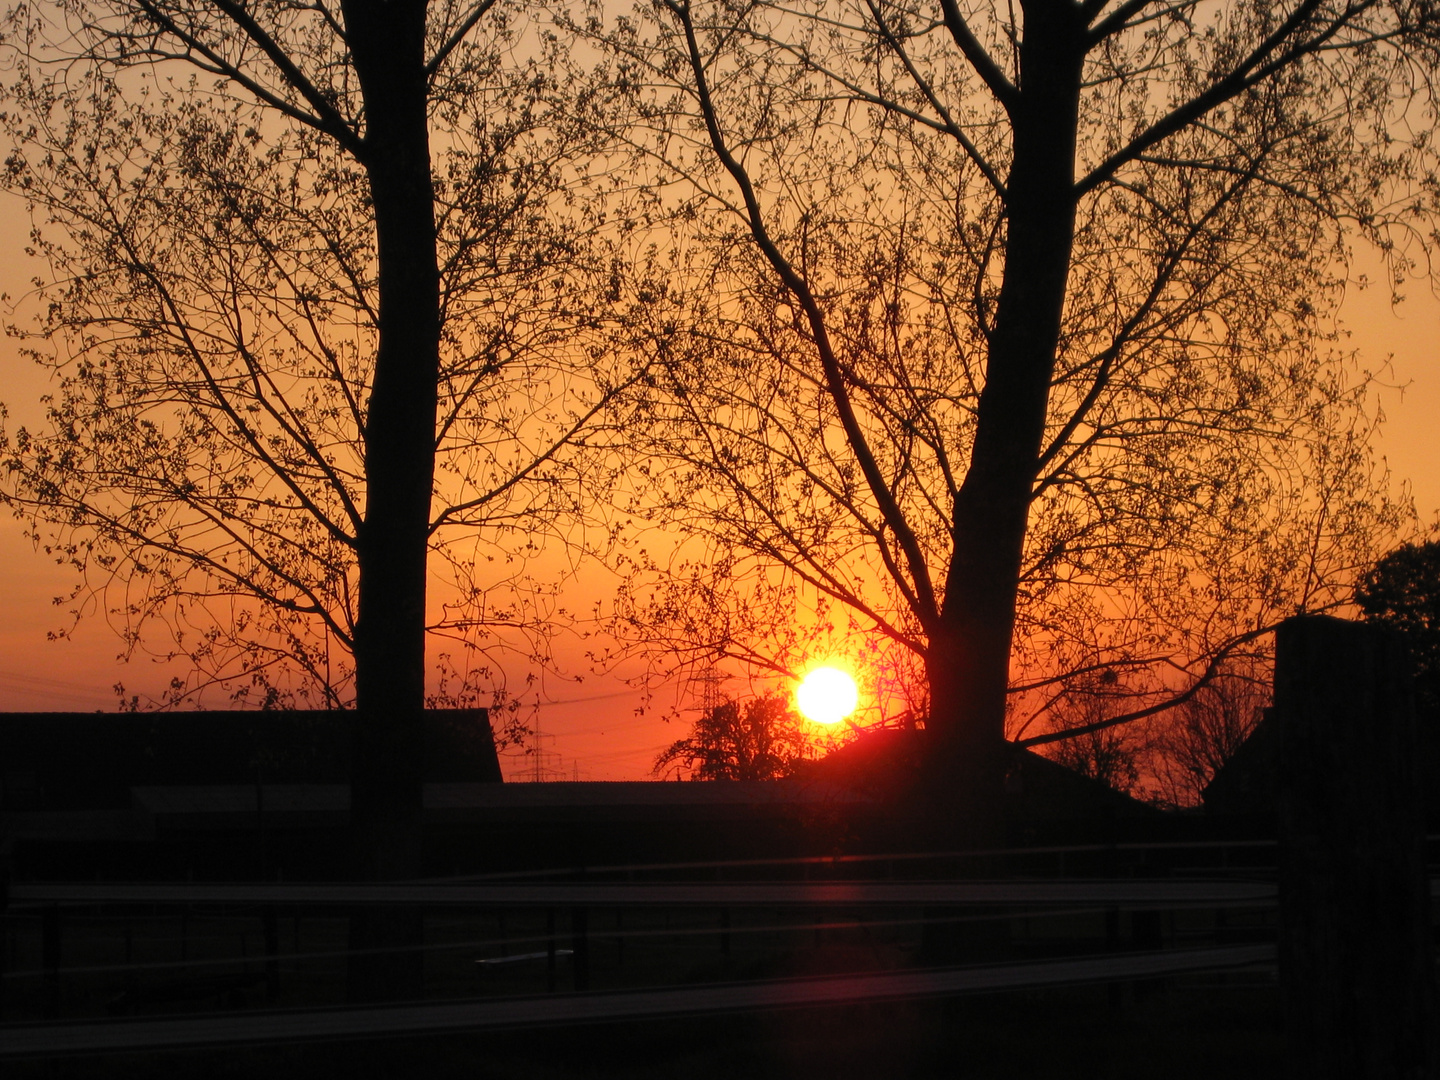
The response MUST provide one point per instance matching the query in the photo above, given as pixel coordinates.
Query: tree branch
(983, 63)
(1255, 68)
(325, 118)
(1211, 670)
(453, 41)
(889, 508)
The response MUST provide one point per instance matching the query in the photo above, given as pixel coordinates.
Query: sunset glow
(827, 695)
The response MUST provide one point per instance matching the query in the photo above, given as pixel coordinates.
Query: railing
(627, 925)
(497, 940)
(1130, 892)
(1214, 855)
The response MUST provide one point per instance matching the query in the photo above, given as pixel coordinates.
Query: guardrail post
(50, 958)
(550, 951)
(271, 924)
(1355, 946)
(1115, 991)
(4, 920)
(580, 947)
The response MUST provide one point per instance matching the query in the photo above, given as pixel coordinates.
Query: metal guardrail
(741, 930)
(1128, 891)
(56, 1039)
(806, 862)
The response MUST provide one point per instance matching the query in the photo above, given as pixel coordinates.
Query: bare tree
(1014, 333)
(1196, 739)
(297, 256)
(1111, 755)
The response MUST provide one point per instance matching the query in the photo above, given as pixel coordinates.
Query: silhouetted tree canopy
(1402, 591)
(760, 739)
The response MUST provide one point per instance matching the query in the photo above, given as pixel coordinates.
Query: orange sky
(590, 727)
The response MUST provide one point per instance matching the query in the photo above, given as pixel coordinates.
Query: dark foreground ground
(1219, 1025)
(1216, 1027)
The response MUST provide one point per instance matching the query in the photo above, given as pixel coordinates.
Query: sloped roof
(885, 763)
(92, 760)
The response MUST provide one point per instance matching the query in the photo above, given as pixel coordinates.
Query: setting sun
(827, 695)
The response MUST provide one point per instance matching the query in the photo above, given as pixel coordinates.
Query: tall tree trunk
(968, 662)
(387, 38)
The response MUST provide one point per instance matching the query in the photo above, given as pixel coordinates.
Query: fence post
(271, 924)
(550, 951)
(4, 918)
(1355, 947)
(50, 959)
(580, 948)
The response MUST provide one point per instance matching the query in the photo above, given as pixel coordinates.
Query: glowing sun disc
(827, 695)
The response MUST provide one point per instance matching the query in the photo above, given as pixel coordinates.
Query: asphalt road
(118, 1036)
